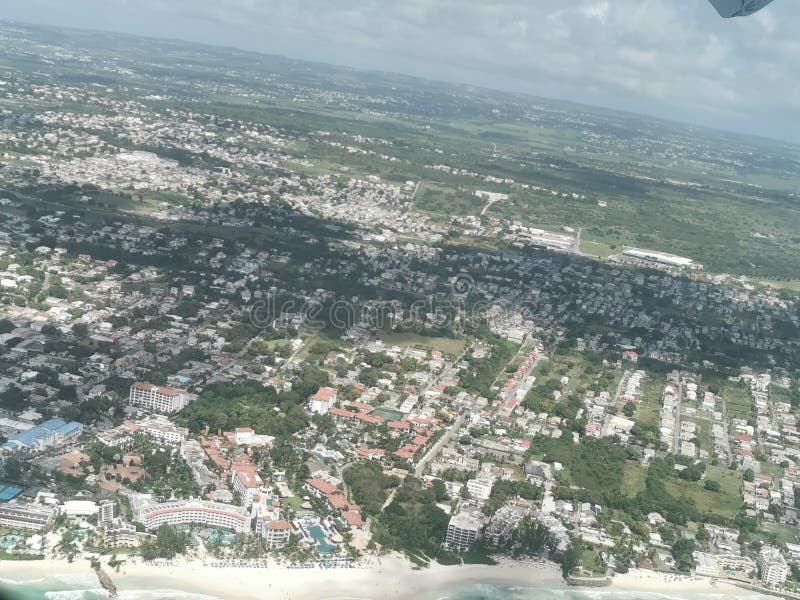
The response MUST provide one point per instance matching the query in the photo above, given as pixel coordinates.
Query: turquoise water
(84, 587)
(322, 545)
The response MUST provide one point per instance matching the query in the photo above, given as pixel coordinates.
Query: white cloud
(672, 57)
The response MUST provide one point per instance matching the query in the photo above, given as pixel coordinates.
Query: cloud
(672, 58)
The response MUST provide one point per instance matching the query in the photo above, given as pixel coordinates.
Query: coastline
(387, 577)
(642, 580)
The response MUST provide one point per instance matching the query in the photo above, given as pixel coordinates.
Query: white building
(105, 512)
(163, 430)
(322, 401)
(481, 487)
(24, 516)
(274, 533)
(247, 483)
(80, 508)
(772, 567)
(196, 512)
(463, 531)
(158, 399)
(121, 534)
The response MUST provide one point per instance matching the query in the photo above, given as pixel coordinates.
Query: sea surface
(82, 587)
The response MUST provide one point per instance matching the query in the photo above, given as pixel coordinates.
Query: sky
(675, 59)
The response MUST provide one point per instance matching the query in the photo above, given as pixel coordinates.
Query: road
(725, 425)
(416, 189)
(431, 454)
(676, 448)
(576, 246)
(489, 205)
(619, 387)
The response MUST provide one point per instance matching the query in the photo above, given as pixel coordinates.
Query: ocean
(86, 588)
(82, 587)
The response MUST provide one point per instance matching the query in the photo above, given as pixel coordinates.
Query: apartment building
(463, 531)
(158, 399)
(772, 567)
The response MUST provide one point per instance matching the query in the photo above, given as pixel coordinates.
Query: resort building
(247, 483)
(26, 516)
(158, 399)
(121, 534)
(196, 512)
(274, 533)
(162, 430)
(105, 512)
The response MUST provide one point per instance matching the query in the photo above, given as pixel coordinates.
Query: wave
(162, 595)
(488, 591)
(13, 582)
(88, 594)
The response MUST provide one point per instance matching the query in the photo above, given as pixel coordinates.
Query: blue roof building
(53, 432)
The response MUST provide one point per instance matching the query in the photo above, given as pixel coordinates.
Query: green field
(726, 503)
(634, 475)
(649, 399)
(446, 345)
(737, 398)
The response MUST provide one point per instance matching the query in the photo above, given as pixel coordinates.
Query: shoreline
(646, 581)
(388, 577)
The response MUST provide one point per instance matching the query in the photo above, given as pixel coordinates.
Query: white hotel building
(275, 534)
(772, 567)
(197, 512)
(248, 484)
(158, 399)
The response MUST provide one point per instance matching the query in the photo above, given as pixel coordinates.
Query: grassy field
(784, 534)
(634, 475)
(597, 249)
(452, 346)
(649, 399)
(727, 502)
(736, 396)
(792, 285)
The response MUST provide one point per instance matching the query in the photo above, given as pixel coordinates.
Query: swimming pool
(323, 547)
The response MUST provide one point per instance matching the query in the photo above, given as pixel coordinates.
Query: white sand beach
(641, 580)
(389, 577)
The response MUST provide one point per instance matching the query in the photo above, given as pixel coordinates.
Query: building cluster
(113, 328)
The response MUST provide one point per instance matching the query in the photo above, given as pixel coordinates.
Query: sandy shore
(641, 580)
(392, 577)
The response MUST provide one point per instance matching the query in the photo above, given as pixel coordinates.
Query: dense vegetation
(412, 523)
(169, 542)
(503, 491)
(224, 406)
(368, 485)
(595, 465)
